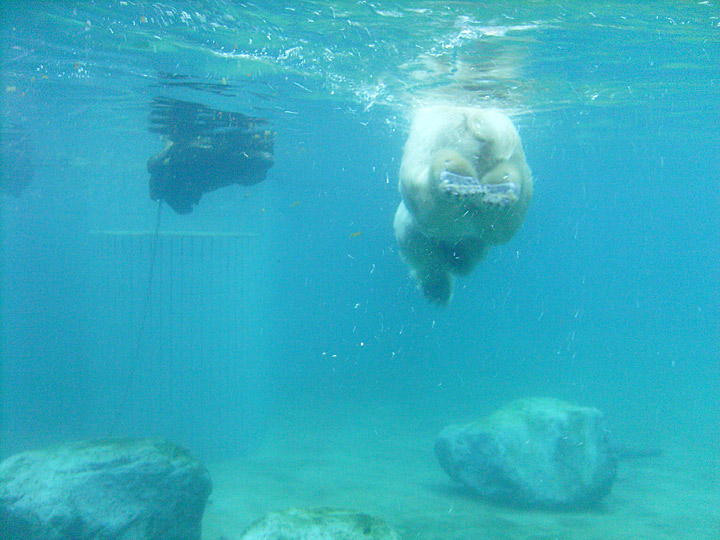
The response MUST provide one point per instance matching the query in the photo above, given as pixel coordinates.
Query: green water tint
(521, 55)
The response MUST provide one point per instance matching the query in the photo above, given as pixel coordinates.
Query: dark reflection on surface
(178, 81)
(206, 149)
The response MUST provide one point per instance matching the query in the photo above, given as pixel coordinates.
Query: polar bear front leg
(426, 257)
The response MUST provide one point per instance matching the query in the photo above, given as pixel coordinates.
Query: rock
(116, 489)
(535, 452)
(319, 524)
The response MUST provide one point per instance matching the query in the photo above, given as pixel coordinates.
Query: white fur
(440, 235)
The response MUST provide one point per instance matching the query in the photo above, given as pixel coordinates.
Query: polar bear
(465, 186)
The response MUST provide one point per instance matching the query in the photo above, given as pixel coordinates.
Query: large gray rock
(319, 524)
(535, 451)
(106, 490)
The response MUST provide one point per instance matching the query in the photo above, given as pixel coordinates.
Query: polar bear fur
(465, 186)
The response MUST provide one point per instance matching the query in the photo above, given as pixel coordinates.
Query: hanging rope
(135, 360)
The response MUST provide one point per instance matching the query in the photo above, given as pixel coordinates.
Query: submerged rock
(535, 452)
(140, 489)
(319, 524)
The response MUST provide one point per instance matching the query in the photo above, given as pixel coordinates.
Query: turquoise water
(289, 297)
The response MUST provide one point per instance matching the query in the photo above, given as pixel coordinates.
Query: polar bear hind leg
(426, 257)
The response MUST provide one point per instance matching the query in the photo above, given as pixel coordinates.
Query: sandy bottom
(387, 468)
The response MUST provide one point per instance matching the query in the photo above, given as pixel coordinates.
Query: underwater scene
(360, 270)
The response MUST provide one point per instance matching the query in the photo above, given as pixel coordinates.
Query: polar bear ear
(495, 130)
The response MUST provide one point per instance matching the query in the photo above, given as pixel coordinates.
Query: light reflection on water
(526, 56)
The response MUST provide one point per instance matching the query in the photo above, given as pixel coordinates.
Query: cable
(131, 373)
